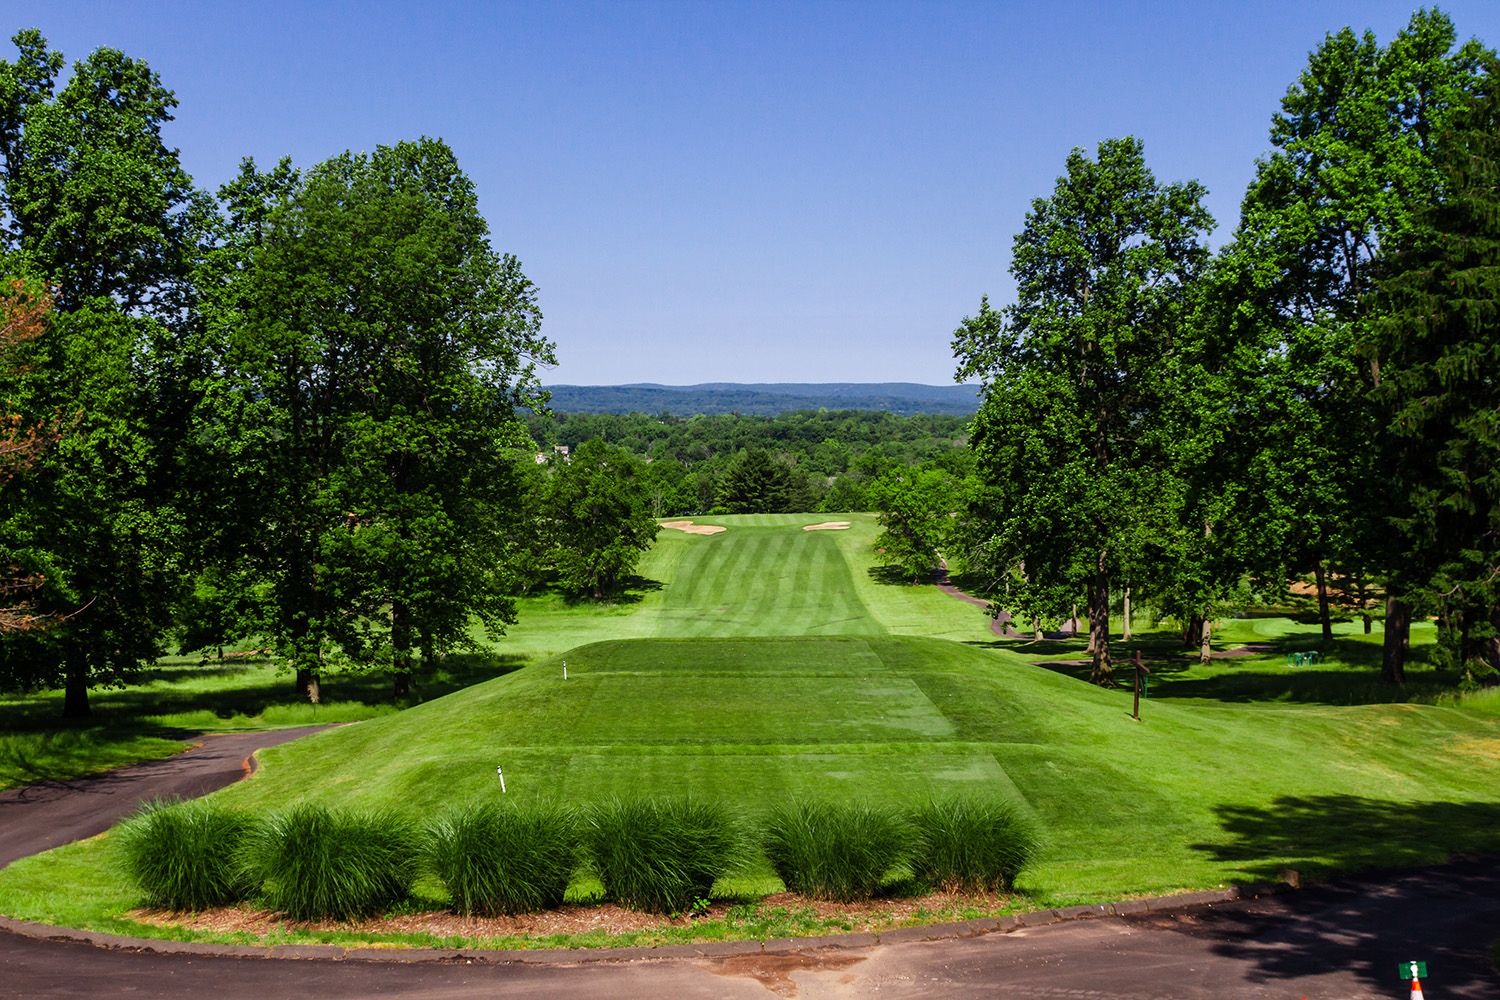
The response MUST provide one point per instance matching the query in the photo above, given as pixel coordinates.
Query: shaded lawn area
(1347, 671)
(168, 702)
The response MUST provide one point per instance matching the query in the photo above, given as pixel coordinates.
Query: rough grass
(313, 862)
(496, 858)
(185, 855)
(842, 851)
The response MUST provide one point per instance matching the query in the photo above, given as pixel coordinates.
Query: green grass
(1237, 769)
(172, 700)
(972, 844)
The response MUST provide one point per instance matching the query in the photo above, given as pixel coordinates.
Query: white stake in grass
(501, 773)
(565, 669)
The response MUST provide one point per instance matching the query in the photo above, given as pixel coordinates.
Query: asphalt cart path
(39, 817)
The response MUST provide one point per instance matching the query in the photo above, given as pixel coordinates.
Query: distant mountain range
(766, 398)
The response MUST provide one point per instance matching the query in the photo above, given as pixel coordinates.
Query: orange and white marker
(1416, 988)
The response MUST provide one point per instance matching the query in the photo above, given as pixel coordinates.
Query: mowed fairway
(764, 576)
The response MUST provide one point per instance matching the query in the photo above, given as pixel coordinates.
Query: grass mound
(498, 859)
(661, 855)
(184, 855)
(316, 863)
(972, 845)
(842, 851)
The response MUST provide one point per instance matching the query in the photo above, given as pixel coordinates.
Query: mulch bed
(608, 918)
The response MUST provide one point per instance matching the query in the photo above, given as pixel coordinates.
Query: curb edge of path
(700, 949)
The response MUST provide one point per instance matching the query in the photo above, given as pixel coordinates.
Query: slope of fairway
(1192, 796)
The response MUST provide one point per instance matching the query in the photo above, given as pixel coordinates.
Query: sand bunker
(826, 526)
(694, 529)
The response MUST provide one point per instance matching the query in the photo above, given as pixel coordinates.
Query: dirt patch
(774, 972)
(826, 526)
(693, 529)
(820, 916)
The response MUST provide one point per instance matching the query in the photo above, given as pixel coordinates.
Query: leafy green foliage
(498, 858)
(915, 507)
(1073, 376)
(658, 854)
(972, 844)
(314, 863)
(1438, 336)
(368, 495)
(599, 518)
(185, 855)
(835, 850)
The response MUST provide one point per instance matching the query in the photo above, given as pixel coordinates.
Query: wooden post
(1140, 668)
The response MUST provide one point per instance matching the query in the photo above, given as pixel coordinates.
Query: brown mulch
(608, 918)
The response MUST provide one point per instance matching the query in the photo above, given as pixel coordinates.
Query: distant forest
(767, 399)
(821, 460)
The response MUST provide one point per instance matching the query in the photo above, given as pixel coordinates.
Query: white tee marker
(501, 773)
(565, 669)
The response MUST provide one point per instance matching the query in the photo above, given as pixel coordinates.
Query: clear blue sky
(748, 192)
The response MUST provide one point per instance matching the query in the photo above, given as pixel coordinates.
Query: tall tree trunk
(1493, 646)
(1125, 637)
(1206, 650)
(1073, 622)
(400, 651)
(1103, 672)
(76, 682)
(1393, 650)
(1194, 634)
(1323, 601)
(1093, 612)
(1036, 625)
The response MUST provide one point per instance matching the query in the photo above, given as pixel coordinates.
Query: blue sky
(749, 192)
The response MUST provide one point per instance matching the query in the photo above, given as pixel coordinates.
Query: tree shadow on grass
(1444, 914)
(126, 710)
(895, 576)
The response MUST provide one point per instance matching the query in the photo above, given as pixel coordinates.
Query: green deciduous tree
(599, 518)
(1353, 172)
(374, 348)
(97, 207)
(915, 507)
(1072, 373)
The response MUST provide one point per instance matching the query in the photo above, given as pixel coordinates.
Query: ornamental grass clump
(972, 844)
(503, 859)
(185, 855)
(839, 851)
(661, 855)
(316, 863)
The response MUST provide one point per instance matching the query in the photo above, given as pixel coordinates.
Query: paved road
(1341, 940)
(40, 817)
